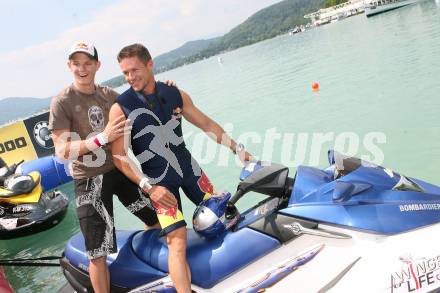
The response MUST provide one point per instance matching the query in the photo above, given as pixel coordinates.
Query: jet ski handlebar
(6, 171)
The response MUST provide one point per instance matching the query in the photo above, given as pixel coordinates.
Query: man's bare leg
(177, 265)
(99, 275)
(188, 271)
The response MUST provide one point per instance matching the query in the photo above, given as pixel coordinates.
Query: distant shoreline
(265, 24)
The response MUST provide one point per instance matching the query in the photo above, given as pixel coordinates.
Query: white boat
(379, 6)
(295, 30)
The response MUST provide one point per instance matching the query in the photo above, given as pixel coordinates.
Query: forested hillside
(265, 24)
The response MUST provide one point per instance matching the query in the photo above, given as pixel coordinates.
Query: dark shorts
(194, 183)
(94, 206)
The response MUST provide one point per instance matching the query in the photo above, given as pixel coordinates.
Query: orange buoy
(315, 86)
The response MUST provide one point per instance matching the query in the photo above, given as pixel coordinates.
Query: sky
(37, 35)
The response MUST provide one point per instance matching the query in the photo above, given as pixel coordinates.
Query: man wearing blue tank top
(155, 111)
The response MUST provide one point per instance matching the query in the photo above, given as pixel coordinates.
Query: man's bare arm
(119, 151)
(209, 126)
(68, 147)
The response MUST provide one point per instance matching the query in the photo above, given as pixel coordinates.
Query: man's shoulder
(168, 89)
(106, 89)
(127, 93)
(170, 93)
(66, 95)
(61, 106)
(162, 85)
(107, 93)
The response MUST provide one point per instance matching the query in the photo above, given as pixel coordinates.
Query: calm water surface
(377, 76)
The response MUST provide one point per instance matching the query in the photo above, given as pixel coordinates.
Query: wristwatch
(238, 148)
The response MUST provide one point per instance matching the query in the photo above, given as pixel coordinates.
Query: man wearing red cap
(81, 133)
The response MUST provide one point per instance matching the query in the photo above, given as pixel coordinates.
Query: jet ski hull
(18, 220)
(352, 227)
(308, 263)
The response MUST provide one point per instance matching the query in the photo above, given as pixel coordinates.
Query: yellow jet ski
(24, 207)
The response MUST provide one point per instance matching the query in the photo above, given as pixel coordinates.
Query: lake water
(379, 99)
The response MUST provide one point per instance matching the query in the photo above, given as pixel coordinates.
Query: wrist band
(96, 141)
(102, 139)
(144, 184)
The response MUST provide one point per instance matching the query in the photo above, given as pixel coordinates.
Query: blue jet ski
(351, 227)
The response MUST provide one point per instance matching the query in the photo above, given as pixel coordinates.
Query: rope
(30, 264)
(26, 262)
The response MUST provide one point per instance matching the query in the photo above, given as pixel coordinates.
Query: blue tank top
(157, 128)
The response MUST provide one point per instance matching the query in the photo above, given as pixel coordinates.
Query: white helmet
(209, 219)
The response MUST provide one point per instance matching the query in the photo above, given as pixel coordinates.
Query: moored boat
(379, 6)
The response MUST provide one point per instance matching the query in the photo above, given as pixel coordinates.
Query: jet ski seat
(210, 260)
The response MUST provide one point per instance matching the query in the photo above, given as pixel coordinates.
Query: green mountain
(265, 24)
(187, 50)
(15, 108)
(162, 62)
